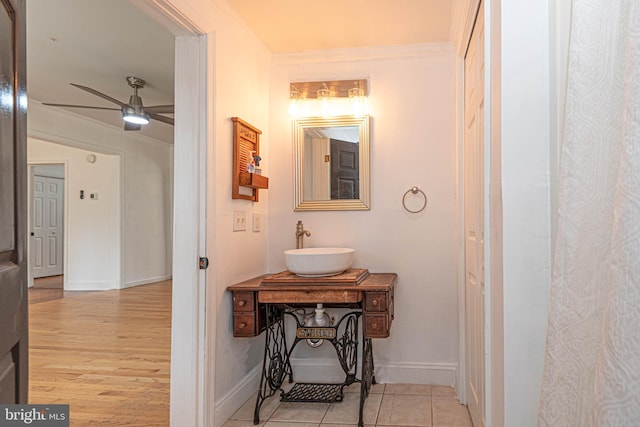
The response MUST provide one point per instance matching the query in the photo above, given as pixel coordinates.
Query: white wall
(411, 104)
(92, 227)
(144, 188)
(525, 135)
(240, 76)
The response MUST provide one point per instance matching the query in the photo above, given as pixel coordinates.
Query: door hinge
(204, 263)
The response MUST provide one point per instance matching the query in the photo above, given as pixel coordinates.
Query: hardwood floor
(106, 354)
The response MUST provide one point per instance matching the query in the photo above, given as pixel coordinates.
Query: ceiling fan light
(132, 116)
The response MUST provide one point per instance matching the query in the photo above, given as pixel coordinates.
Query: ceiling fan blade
(132, 126)
(160, 118)
(79, 106)
(100, 94)
(159, 109)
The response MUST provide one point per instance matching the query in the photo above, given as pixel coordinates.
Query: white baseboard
(386, 372)
(146, 281)
(416, 373)
(88, 286)
(328, 370)
(237, 396)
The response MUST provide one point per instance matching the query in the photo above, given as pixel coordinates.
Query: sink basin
(318, 262)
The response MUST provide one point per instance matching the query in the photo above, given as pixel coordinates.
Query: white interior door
(473, 222)
(47, 222)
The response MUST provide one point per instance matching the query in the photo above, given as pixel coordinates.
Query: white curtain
(592, 361)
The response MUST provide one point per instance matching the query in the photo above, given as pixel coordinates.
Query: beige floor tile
(377, 388)
(292, 424)
(241, 423)
(405, 410)
(348, 411)
(443, 390)
(268, 407)
(448, 412)
(300, 412)
(355, 388)
(422, 389)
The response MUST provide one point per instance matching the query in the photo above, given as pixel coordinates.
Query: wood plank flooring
(106, 354)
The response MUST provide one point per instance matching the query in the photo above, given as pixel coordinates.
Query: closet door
(474, 222)
(47, 226)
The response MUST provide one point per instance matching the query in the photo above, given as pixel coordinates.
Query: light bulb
(324, 97)
(294, 103)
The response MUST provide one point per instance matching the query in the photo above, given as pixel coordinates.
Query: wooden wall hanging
(246, 142)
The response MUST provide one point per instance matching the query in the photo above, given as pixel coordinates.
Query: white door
(474, 220)
(47, 239)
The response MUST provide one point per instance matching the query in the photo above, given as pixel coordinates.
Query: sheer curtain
(592, 361)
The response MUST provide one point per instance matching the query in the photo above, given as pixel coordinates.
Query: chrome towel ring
(414, 190)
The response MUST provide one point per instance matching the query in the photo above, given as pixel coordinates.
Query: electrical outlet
(239, 220)
(256, 223)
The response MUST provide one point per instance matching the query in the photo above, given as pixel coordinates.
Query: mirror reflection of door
(331, 164)
(47, 221)
(345, 182)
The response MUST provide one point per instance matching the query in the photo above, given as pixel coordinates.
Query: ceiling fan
(134, 113)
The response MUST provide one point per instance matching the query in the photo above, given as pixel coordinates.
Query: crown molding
(364, 53)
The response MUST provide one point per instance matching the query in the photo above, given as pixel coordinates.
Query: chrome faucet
(300, 233)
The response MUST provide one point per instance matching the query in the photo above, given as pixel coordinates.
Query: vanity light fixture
(332, 97)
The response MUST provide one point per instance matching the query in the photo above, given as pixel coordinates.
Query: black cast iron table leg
(368, 377)
(276, 365)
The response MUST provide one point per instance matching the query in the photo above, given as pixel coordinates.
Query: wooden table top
(372, 282)
(312, 290)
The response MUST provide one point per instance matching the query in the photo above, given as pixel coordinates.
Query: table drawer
(244, 301)
(244, 325)
(376, 325)
(376, 301)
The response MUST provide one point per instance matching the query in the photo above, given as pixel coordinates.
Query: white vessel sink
(318, 262)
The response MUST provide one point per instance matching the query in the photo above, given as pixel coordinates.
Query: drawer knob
(374, 302)
(242, 325)
(242, 303)
(374, 326)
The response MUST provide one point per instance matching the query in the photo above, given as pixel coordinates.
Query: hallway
(106, 354)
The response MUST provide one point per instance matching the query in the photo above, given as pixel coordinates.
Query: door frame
(65, 208)
(464, 18)
(464, 22)
(193, 349)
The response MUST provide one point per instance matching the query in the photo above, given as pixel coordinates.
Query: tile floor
(412, 405)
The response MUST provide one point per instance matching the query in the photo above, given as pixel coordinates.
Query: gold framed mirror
(331, 163)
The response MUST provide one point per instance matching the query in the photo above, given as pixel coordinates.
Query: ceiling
(99, 43)
(294, 25)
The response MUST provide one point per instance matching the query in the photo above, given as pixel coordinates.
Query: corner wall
(525, 52)
(239, 76)
(412, 108)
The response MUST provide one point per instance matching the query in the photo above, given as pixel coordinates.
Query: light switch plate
(239, 220)
(256, 224)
